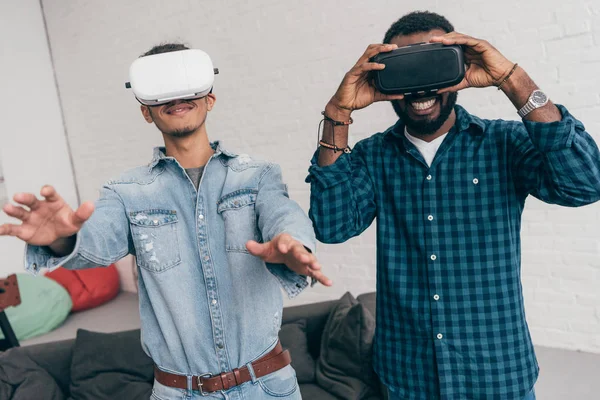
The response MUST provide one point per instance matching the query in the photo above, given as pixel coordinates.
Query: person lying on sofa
(215, 236)
(448, 190)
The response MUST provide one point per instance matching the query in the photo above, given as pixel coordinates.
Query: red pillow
(88, 288)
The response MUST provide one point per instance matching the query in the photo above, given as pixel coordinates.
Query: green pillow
(44, 306)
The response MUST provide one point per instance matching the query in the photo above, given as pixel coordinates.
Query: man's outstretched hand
(284, 249)
(46, 221)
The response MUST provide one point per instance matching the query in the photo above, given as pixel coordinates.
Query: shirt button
(433, 257)
(440, 336)
(206, 258)
(430, 217)
(475, 181)
(220, 345)
(436, 297)
(428, 177)
(155, 222)
(200, 216)
(34, 266)
(214, 302)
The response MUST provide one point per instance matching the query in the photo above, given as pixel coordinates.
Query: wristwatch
(537, 99)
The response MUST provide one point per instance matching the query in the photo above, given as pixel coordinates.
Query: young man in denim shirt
(448, 189)
(215, 237)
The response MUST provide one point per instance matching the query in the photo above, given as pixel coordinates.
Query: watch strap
(526, 109)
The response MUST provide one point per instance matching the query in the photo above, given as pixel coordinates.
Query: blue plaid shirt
(450, 313)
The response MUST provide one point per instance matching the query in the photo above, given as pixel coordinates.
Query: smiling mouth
(423, 105)
(178, 109)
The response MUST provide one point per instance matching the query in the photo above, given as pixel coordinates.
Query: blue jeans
(280, 385)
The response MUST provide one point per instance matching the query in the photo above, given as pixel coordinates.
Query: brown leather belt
(273, 361)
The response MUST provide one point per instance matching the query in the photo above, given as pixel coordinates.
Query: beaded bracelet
(508, 76)
(334, 122)
(333, 147)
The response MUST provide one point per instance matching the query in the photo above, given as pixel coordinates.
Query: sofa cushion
(44, 306)
(110, 366)
(88, 288)
(316, 315)
(370, 302)
(311, 391)
(21, 378)
(293, 338)
(345, 366)
(55, 358)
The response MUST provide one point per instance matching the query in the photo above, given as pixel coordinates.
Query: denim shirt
(206, 304)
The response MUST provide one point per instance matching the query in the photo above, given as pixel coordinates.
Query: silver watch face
(538, 97)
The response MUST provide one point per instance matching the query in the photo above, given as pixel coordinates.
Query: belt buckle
(199, 380)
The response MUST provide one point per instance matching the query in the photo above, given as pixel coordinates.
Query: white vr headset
(161, 78)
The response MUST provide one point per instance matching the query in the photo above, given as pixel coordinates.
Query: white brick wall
(33, 149)
(280, 62)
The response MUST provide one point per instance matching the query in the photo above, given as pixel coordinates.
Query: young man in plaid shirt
(448, 189)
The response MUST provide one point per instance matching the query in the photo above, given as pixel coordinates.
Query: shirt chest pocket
(155, 239)
(239, 215)
(480, 198)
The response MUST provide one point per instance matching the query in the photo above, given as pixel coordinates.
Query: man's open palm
(44, 221)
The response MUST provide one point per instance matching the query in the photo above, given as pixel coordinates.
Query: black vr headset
(420, 68)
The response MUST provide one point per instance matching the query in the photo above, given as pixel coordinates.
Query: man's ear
(211, 99)
(147, 114)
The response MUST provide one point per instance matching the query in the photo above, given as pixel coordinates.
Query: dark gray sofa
(56, 359)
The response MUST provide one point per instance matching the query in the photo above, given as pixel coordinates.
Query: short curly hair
(165, 48)
(417, 21)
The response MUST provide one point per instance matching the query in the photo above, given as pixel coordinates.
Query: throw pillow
(88, 288)
(110, 366)
(345, 365)
(44, 306)
(293, 337)
(21, 378)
